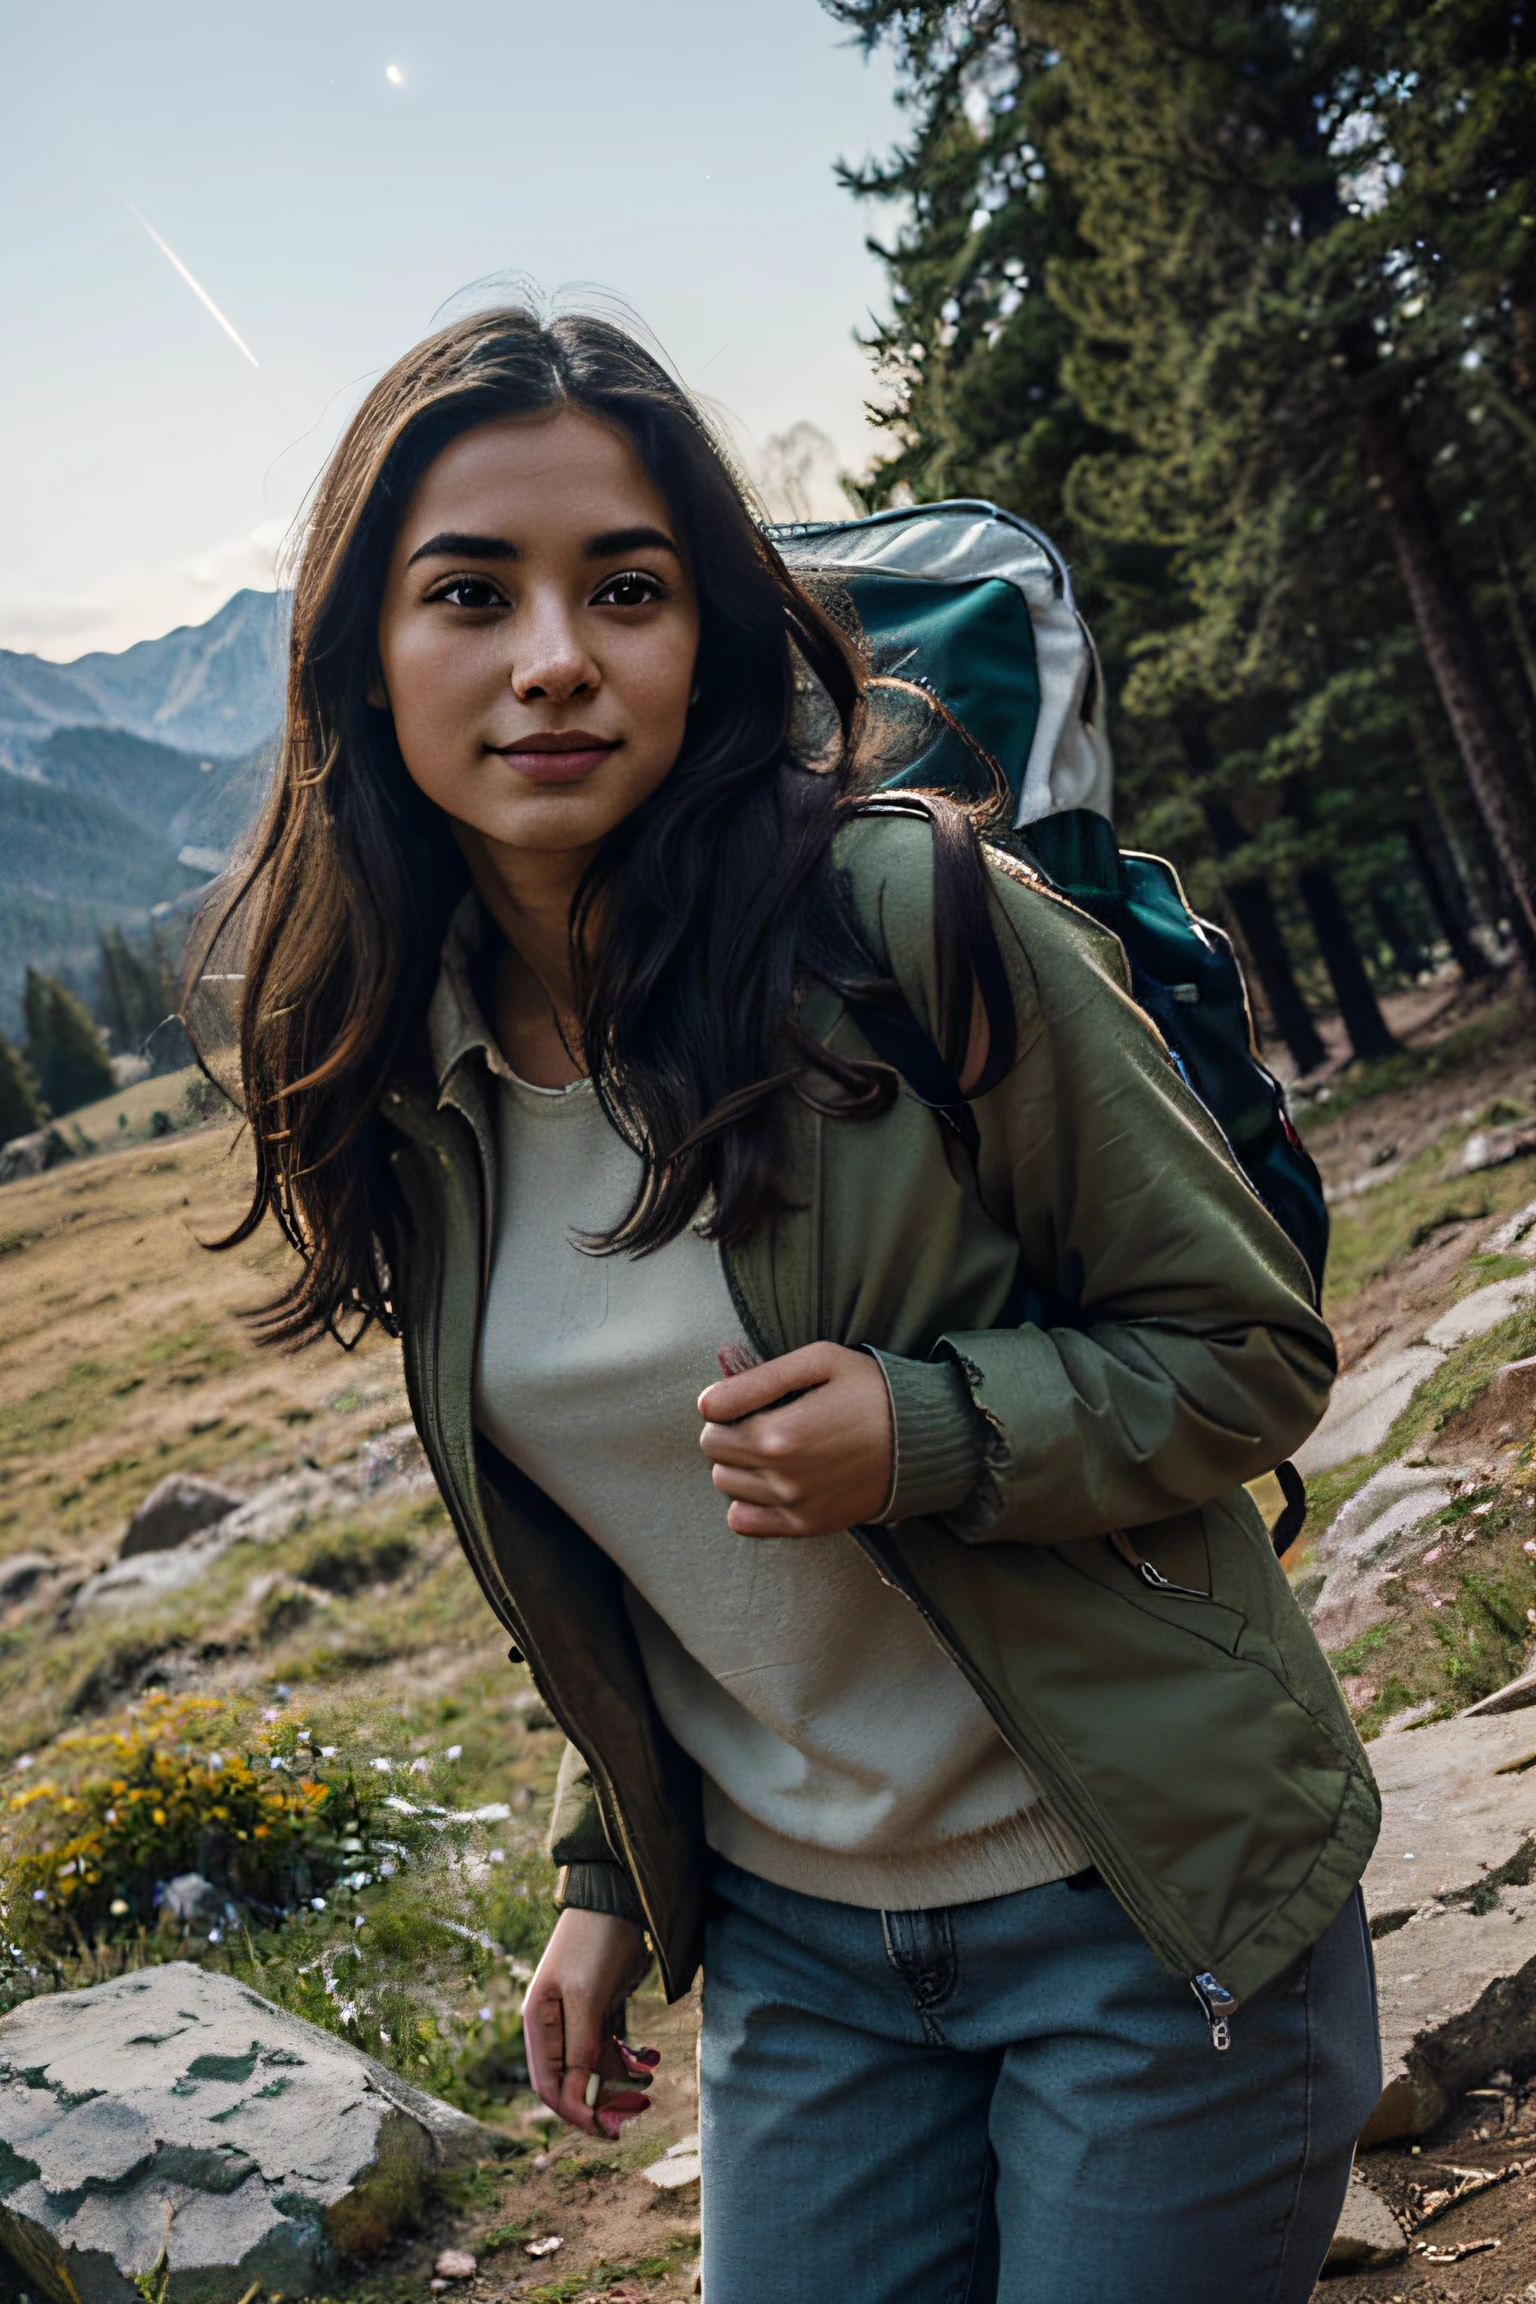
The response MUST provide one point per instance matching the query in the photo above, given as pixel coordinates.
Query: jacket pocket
(1166, 1729)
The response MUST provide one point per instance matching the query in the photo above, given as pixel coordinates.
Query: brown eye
(470, 592)
(634, 589)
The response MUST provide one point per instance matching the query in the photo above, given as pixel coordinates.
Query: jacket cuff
(599, 1888)
(940, 1439)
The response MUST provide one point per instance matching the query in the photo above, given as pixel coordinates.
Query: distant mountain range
(125, 780)
(214, 687)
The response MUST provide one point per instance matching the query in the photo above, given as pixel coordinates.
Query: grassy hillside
(345, 1669)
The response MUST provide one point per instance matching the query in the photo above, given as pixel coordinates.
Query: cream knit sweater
(843, 1753)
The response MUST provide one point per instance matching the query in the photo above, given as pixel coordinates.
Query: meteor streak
(198, 291)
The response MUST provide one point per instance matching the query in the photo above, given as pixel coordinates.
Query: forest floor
(126, 1352)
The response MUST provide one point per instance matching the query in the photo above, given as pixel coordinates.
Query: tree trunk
(1254, 908)
(1407, 953)
(1437, 874)
(1490, 754)
(1369, 1034)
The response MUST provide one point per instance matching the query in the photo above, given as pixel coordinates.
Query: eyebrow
(457, 544)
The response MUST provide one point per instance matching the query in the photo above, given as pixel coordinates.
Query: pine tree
(1225, 261)
(64, 1048)
(20, 1111)
(134, 992)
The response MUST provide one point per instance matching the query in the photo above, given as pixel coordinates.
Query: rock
(1485, 1308)
(1513, 1237)
(1456, 1944)
(273, 1512)
(1514, 1697)
(1366, 1403)
(392, 1459)
(1368, 2232)
(1457, 1995)
(173, 2118)
(1501, 1415)
(1457, 1802)
(150, 1574)
(180, 1506)
(1491, 1147)
(455, 2264)
(33, 1155)
(21, 1572)
(1359, 1549)
(189, 1898)
(678, 2165)
(289, 1503)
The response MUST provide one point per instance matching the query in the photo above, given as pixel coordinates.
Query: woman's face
(538, 634)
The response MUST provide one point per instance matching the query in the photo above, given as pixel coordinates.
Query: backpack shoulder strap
(899, 1040)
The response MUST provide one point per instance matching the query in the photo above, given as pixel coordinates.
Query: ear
(376, 692)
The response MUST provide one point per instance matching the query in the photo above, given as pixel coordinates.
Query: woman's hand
(572, 2017)
(816, 1464)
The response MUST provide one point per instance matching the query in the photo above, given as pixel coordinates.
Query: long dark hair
(717, 897)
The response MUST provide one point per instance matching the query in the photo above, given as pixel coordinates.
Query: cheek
(433, 694)
(656, 681)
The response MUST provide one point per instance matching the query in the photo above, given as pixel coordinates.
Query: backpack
(973, 607)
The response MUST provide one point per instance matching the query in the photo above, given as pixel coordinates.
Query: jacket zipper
(1217, 2003)
(1153, 1578)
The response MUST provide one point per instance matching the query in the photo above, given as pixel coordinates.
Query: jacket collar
(456, 1025)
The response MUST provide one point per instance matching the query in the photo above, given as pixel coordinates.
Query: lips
(558, 758)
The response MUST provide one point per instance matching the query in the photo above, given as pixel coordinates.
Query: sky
(335, 174)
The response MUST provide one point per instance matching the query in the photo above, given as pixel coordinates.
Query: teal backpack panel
(972, 646)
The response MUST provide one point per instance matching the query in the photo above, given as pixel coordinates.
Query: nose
(550, 661)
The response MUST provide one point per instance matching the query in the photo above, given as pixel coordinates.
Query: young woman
(927, 1673)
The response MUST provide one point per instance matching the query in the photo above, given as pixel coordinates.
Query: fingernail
(594, 2089)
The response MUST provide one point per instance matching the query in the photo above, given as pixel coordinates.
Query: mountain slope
(71, 864)
(183, 800)
(82, 845)
(149, 782)
(214, 687)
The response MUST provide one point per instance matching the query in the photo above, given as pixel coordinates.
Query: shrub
(266, 1829)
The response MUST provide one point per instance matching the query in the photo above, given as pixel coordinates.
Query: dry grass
(126, 1353)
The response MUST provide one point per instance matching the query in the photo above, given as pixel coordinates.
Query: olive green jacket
(1083, 1547)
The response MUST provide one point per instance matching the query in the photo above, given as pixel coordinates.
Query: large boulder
(179, 1506)
(173, 2126)
(1454, 1913)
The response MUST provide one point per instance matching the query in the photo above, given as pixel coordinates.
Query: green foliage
(340, 1882)
(1159, 273)
(135, 992)
(20, 1110)
(64, 1050)
(89, 1856)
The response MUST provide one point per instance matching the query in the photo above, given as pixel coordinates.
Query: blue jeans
(1011, 2101)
